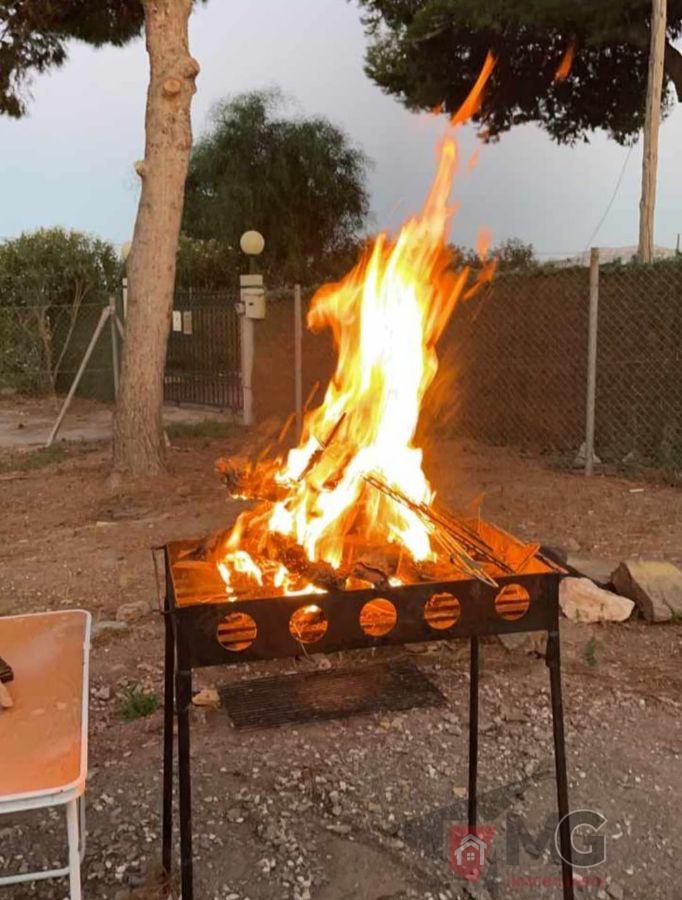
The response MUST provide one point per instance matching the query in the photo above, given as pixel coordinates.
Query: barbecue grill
(206, 627)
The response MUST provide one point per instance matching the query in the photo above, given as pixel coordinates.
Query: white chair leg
(72, 830)
(81, 825)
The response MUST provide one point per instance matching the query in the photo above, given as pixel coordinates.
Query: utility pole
(652, 121)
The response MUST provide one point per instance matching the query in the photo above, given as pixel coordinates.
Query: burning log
(371, 574)
(323, 445)
(293, 557)
(250, 481)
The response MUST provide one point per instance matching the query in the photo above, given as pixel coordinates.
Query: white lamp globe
(252, 243)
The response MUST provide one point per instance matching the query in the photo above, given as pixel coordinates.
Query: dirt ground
(358, 808)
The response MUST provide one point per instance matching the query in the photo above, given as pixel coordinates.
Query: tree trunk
(138, 429)
(652, 120)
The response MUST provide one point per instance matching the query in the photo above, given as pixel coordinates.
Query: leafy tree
(509, 254)
(514, 254)
(208, 264)
(428, 52)
(297, 180)
(33, 38)
(45, 277)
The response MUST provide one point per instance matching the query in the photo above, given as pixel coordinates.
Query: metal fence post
(592, 361)
(298, 359)
(114, 342)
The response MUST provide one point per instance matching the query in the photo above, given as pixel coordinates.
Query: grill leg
(553, 657)
(168, 719)
(473, 733)
(183, 691)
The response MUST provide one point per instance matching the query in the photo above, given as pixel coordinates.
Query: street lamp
(251, 307)
(252, 243)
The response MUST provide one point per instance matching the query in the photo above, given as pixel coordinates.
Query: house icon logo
(468, 849)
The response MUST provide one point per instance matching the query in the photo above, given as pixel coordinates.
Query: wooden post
(652, 120)
(298, 360)
(592, 361)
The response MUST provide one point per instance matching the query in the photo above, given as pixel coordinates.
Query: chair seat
(43, 736)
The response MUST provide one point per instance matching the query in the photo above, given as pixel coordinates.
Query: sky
(70, 161)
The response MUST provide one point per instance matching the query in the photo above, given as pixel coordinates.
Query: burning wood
(351, 505)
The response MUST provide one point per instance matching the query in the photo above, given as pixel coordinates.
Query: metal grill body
(197, 609)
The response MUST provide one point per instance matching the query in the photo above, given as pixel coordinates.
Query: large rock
(656, 588)
(582, 601)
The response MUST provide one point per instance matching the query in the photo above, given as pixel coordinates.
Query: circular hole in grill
(442, 611)
(308, 624)
(512, 602)
(237, 631)
(378, 617)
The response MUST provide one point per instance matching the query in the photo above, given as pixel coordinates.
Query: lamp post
(125, 252)
(250, 307)
(252, 243)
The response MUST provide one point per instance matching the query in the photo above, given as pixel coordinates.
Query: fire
(564, 67)
(356, 479)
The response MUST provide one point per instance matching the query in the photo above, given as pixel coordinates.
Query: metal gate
(203, 363)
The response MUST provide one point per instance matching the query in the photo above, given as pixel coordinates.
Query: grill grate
(320, 696)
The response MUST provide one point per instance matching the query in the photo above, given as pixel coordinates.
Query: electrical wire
(613, 196)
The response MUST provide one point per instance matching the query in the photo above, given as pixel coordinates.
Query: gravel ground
(361, 807)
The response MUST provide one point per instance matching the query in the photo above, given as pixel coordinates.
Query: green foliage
(590, 652)
(208, 428)
(138, 703)
(296, 180)
(511, 254)
(208, 264)
(514, 254)
(17, 461)
(429, 52)
(45, 279)
(34, 34)
(56, 267)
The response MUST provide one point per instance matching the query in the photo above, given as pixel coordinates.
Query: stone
(104, 629)
(582, 601)
(208, 697)
(592, 567)
(524, 641)
(571, 545)
(133, 612)
(6, 701)
(580, 457)
(616, 891)
(555, 552)
(655, 586)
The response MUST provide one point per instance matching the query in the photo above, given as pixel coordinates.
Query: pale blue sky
(70, 161)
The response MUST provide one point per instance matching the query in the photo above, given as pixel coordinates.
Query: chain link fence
(515, 359)
(42, 346)
(521, 361)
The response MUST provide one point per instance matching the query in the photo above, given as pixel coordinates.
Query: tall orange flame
(386, 317)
